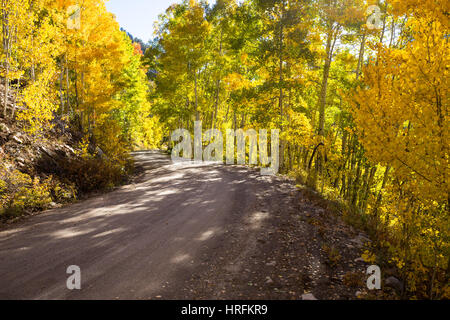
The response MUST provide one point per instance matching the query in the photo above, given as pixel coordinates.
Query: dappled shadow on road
(128, 242)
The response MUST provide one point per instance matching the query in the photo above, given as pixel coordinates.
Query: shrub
(91, 174)
(20, 193)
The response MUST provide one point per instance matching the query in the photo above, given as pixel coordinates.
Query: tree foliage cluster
(87, 71)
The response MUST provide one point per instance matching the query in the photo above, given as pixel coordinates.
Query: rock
(70, 149)
(360, 241)
(21, 165)
(269, 280)
(20, 160)
(358, 293)
(4, 128)
(324, 281)
(271, 264)
(17, 139)
(357, 243)
(359, 259)
(394, 283)
(308, 296)
(49, 153)
(99, 152)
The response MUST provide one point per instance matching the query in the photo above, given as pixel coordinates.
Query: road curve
(138, 242)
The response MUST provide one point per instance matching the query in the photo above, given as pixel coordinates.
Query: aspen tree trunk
(361, 57)
(67, 86)
(383, 185)
(228, 111)
(356, 183)
(33, 73)
(366, 191)
(280, 101)
(326, 74)
(216, 105)
(216, 102)
(61, 96)
(352, 169)
(323, 98)
(6, 49)
(305, 159)
(82, 113)
(289, 147)
(13, 112)
(197, 113)
(365, 181)
(76, 91)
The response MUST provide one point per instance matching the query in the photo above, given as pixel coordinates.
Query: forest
(358, 90)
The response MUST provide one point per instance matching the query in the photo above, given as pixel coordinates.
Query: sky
(138, 16)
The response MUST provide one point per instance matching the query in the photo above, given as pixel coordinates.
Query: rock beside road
(308, 296)
(393, 282)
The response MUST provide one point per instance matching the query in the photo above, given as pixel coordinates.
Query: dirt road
(179, 231)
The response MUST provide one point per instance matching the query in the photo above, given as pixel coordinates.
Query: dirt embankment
(47, 170)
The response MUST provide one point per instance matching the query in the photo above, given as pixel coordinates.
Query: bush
(91, 174)
(20, 193)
